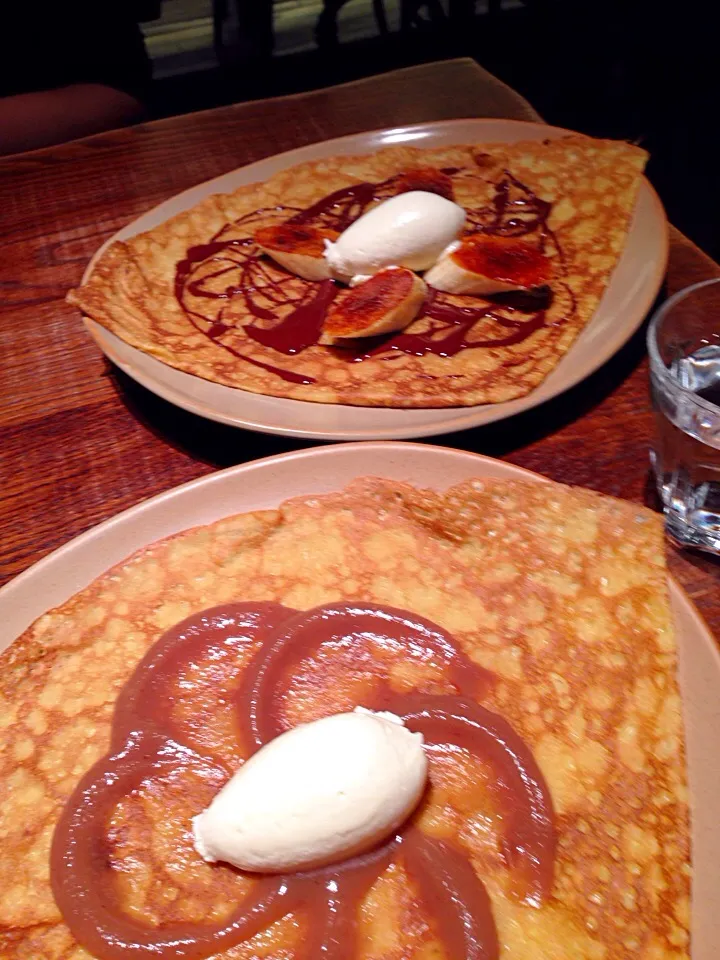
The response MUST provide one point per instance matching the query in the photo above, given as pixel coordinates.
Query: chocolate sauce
(288, 375)
(451, 326)
(455, 337)
(301, 328)
(248, 261)
(292, 321)
(148, 740)
(340, 208)
(515, 211)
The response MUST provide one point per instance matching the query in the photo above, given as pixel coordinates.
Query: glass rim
(657, 364)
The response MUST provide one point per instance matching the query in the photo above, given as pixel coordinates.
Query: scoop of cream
(410, 230)
(319, 793)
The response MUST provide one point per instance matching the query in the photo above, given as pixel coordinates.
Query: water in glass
(685, 387)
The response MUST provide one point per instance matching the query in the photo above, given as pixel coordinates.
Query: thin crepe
(561, 592)
(591, 184)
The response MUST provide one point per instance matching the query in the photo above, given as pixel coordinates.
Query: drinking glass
(684, 347)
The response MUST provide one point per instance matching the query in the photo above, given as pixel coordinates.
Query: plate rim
(58, 554)
(457, 418)
(375, 132)
(78, 542)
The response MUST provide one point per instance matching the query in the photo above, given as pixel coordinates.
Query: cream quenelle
(410, 230)
(319, 793)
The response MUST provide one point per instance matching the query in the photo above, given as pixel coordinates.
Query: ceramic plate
(632, 290)
(266, 483)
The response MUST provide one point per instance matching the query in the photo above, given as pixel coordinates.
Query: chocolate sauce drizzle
(146, 741)
(289, 312)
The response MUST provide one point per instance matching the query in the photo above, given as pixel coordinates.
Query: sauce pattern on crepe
(559, 592)
(194, 293)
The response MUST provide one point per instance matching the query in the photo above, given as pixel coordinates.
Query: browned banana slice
(297, 248)
(482, 264)
(389, 300)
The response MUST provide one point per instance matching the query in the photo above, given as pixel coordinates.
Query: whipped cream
(317, 794)
(411, 230)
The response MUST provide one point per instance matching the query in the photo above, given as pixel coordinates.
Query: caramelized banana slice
(482, 265)
(389, 300)
(297, 248)
(427, 179)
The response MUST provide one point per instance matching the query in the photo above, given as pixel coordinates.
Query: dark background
(632, 69)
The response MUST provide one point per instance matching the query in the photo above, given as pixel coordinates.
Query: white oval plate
(630, 294)
(264, 484)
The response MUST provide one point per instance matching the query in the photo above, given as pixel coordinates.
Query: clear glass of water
(684, 348)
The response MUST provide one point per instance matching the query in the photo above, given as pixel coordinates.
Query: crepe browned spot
(561, 592)
(591, 185)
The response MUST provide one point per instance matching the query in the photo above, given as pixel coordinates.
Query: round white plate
(266, 483)
(632, 290)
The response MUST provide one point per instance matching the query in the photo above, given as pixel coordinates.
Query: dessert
(242, 288)
(486, 265)
(299, 248)
(411, 230)
(527, 614)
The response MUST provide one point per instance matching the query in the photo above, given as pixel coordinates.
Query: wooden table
(80, 441)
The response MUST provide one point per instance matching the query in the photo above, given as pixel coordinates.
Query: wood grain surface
(79, 441)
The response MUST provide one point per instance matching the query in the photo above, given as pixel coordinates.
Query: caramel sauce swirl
(148, 740)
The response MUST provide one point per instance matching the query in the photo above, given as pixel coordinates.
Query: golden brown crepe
(591, 184)
(561, 592)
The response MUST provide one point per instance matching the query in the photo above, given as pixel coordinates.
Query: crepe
(591, 186)
(560, 592)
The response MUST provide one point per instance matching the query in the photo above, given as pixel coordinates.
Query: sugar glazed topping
(234, 264)
(147, 743)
